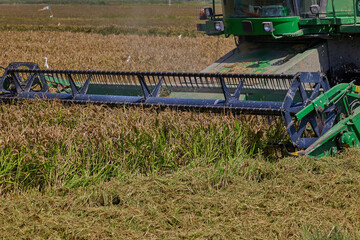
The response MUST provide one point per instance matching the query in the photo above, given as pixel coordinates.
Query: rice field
(104, 19)
(67, 50)
(96, 172)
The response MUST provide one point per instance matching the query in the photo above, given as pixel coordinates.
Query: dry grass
(46, 144)
(287, 200)
(152, 20)
(90, 172)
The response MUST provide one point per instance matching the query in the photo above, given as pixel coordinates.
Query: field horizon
(110, 2)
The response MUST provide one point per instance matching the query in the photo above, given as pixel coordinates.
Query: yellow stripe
(357, 89)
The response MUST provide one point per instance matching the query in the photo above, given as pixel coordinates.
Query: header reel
(274, 95)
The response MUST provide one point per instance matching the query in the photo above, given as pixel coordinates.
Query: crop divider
(155, 92)
(74, 89)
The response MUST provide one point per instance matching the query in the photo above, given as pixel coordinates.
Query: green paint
(337, 17)
(346, 132)
(343, 8)
(350, 28)
(282, 25)
(62, 85)
(264, 58)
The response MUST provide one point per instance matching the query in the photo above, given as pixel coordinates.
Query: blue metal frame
(289, 107)
(300, 90)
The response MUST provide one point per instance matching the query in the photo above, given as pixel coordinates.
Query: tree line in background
(103, 2)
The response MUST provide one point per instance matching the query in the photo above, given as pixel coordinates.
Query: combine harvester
(288, 55)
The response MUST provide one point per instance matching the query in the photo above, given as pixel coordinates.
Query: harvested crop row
(49, 144)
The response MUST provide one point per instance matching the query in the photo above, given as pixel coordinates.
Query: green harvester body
(289, 18)
(346, 132)
(290, 36)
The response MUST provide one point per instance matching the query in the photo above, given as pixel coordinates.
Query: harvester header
(297, 59)
(214, 92)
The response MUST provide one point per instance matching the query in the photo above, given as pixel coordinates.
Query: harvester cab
(281, 18)
(255, 17)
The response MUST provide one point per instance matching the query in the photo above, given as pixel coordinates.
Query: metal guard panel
(171, 80)
(203, 91)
